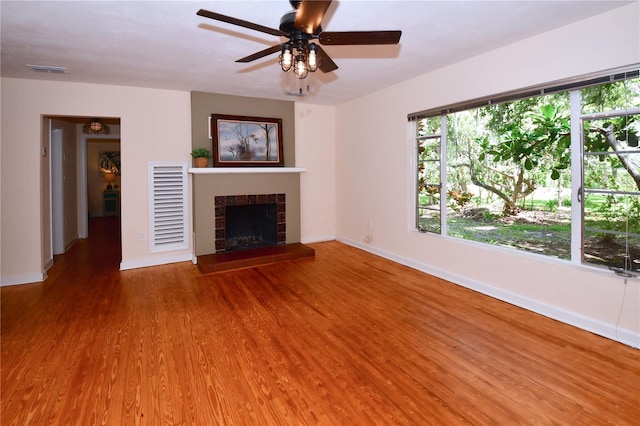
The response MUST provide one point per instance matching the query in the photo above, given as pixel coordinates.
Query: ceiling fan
(300, 27)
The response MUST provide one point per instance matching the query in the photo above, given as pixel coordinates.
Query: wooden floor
(345, 338)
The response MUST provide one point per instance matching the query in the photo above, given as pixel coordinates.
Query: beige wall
(374, 172)
(316, 151)
(155, 126)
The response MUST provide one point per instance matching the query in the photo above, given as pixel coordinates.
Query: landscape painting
(247, 141)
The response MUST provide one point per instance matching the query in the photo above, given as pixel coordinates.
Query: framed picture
(109, 162)
(246, 141)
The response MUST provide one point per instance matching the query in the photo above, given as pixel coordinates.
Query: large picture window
(517, 176)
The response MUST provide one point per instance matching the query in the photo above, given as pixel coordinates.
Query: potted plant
(201, 156)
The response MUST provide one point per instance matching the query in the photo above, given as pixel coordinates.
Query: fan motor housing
(287, 24)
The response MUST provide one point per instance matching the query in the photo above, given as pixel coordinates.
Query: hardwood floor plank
(342, 338)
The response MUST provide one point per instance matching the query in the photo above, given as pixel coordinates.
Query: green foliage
(487, 216)
(617, 211)
(428, 126)
(201, 153)
(541, 138)
(612, 96)
(552, 205)
(459, 198)
(623, 129)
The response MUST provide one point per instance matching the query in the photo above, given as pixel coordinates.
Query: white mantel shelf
(247, 170)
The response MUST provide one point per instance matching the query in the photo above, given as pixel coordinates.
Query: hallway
(102, 251)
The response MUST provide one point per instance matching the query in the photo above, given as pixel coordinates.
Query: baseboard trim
(155, 261)
(600, 328)
(317, 239)
(22, 279)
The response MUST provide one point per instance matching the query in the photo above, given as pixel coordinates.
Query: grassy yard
(535, 231)
(543, 230)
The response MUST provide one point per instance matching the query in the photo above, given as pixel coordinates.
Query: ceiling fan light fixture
(300, 26)
(286, 57)
(300, 70)
(95, 126)
(312, 63)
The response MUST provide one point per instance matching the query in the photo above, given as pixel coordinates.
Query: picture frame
(109, 162)
(240, 141)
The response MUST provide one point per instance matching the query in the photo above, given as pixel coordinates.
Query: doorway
(73, 179)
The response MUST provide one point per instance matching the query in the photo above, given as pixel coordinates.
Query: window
(611, 175)
(516, 175)
(429, 169)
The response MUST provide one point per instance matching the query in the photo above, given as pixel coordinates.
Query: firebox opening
(251, 226)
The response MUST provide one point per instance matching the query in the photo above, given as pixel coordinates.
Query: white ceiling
(164, 44)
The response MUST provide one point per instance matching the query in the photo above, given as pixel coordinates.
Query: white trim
(155, 261)
(22, 279)
(444, 168)
(412, 176)
(47, 266)
(577, 205)
(244, 170)
(609, 331)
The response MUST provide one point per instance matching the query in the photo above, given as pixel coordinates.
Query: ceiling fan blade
(309, 15)
(359, 37)
(240, 22)
(325, 63)
(261, 54)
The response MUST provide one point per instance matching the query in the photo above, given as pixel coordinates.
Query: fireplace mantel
(244, 170)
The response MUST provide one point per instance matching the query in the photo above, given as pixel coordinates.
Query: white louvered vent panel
(168, 222)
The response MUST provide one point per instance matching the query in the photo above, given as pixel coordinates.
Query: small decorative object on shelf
(201, 156)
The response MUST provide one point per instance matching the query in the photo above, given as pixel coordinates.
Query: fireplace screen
(250, 221)
(251, 226)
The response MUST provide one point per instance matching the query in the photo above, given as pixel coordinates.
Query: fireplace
(252, 211)
(244, 222)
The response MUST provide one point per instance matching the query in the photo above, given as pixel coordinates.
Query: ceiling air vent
(47, 68)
